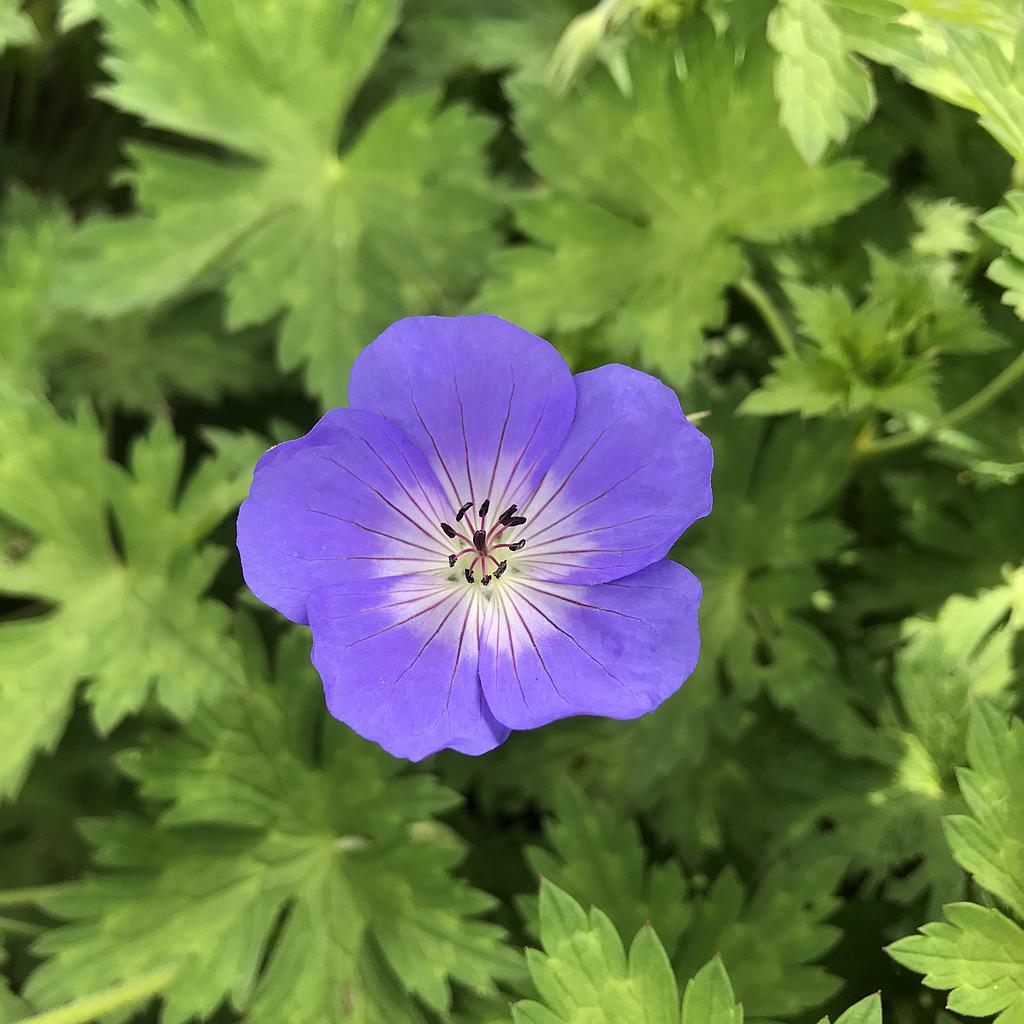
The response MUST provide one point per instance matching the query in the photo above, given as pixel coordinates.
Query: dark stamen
(469, 575)
(462, 511)
(447, 530)
(518, 546)
(485, 581)
(502, 566)
(516, 521)
(484, 506)
(452, 559)
(480, 540)
(507, 514)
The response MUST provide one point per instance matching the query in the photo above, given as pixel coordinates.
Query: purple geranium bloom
(478, 543)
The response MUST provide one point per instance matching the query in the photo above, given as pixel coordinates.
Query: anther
(448, 531)
(480, 540)
(462, 511)
(518, 546)
(484, 506)
(507, 514)
(502, 566)
(452, 559)
(516, 521)
(485, 581)
(469, 575)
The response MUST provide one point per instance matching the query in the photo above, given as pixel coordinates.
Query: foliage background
(802, 215)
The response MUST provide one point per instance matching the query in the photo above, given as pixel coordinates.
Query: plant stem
(100, 1004)
(965, 410)
(762, 302)
(30, 894)
(12, 926)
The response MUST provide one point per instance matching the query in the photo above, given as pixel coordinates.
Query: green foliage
(585, 976)
(364, 878)
(611, 246)
(820, 83)
(114, 564)
(338, 243)
(978, 952)
(1006, 225)
(134, 362)
(880, 354)
(990, 842)
(16, 27)
(209, 207)
(600, 858)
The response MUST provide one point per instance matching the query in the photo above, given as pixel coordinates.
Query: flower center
(483, 542)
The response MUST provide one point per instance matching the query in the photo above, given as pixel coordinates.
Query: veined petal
(398, 658)
(488, 403)
(352, 499)
(633, 474)
(551, 650)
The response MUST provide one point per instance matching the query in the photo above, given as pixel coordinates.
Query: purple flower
(478, 544)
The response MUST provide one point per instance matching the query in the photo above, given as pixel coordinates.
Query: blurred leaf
(16, 27)
(823, 89)
(642, 236)
(1006, 225)
(445, 37)
(338, 245)
(758, 560)
(133, 362)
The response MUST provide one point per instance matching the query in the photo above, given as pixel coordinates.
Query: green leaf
(670, 185)
(1005, 224)
(993, 84)
(134, 362)
(989, 843)
(945, 665)
(979, 955)
(338, 244)
(944, 228)
(772, 938)
(254, 833)
(16, 27)
(822, 87)
(75, 12)
(758, 563)
(584, 976)
(34, 235)
(12, 1008)
(445, 37)
(881, 354)
(867, 1011)
(124, 611)
(599, 859)
(709, 999)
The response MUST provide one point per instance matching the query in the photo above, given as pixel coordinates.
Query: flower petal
(352, 499)
(633, 474)
(549, 650)
(488, 403)
(398, 658)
